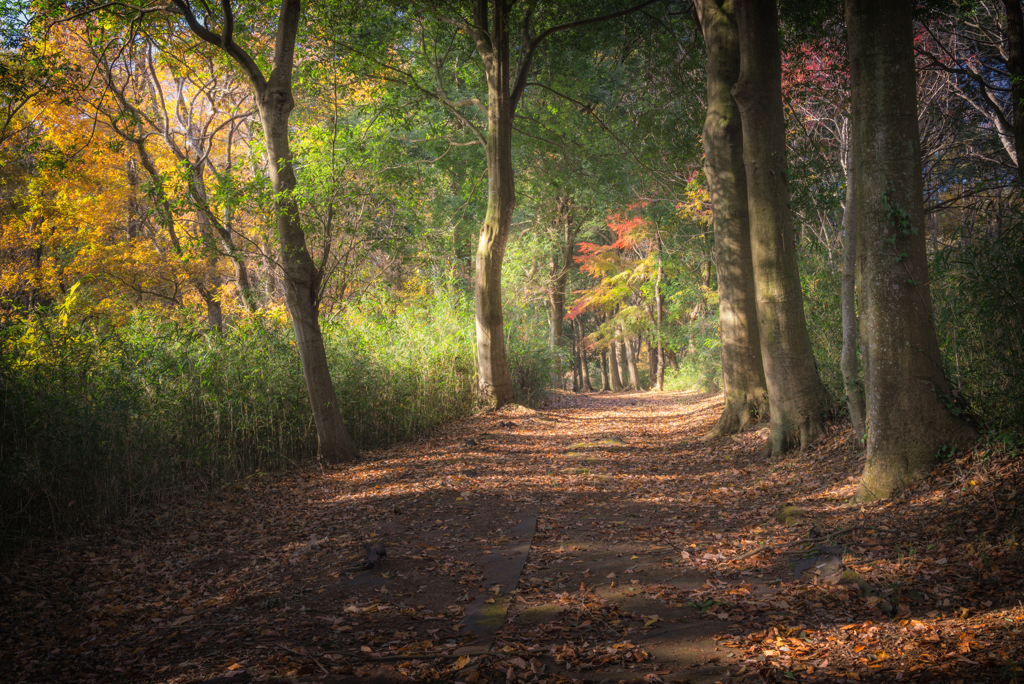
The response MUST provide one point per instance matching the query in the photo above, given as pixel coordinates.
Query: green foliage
(820, 279)
(96, 420)
(529, 360)
(976, 286)
(700, 358)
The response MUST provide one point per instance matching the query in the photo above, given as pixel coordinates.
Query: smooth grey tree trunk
(795, 393)
(746, 394)
(907, 397)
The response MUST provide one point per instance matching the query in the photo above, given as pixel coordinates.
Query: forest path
(593, 539)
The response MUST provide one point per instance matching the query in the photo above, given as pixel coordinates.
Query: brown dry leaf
(189, 583)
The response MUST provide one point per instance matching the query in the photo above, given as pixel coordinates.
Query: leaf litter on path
(630, 574)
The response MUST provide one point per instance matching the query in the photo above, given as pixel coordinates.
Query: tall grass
(97, 419)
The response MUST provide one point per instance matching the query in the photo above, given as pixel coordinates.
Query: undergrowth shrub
(820, 281)
(977, 282)
(699, 356)
(530, 360)
(97, 419)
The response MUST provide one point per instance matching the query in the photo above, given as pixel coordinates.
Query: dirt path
(588, 540)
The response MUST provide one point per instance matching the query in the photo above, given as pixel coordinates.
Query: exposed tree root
(736, 416)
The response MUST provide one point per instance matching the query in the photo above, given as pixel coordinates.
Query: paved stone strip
(502, 569)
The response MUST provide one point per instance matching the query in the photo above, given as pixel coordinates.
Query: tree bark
(658, 359)
(302, 279)
(795, 393)
(613, 366)
(242, 280)
(605, 382)
(908, 415)
(492, 42)
(851, 373)
(634, 371)
(1015, 65)
(574, 362)
(652, 361)
(620, 351)
(661, 366)
(561, 263)
(489, 30)
(584, 369)
(746, 394)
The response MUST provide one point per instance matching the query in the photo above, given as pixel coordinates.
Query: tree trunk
(908, 417)
(613, 366)
(495, 381)
(652, 361)
(301, 279)
(620, 350)
(659, 303)
(661, 366)
(1015, 65)
(634, 371)
(556, 313)
(242, 281)
(605, 382)
(214, 313)
(577, 378)
(275, 102)
(561, 263)
(795, 392)
(746, 394)
(584, 368)
(209, 225)
(210, 252)
(851, 373)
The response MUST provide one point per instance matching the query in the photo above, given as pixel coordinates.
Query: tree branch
(531, 48)
(226, 43)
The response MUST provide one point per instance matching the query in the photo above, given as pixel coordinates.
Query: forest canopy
(239, 236)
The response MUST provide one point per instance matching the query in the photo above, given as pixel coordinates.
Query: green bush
(700, 357)
(530, 360)
(820, 281)
(977, 283)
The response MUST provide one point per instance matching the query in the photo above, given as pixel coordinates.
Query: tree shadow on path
(590, 540)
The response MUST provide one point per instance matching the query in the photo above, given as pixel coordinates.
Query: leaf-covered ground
(595, 539)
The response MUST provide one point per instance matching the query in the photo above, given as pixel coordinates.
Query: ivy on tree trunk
(908, 403)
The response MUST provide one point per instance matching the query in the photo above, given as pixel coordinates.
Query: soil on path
(590, 540)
